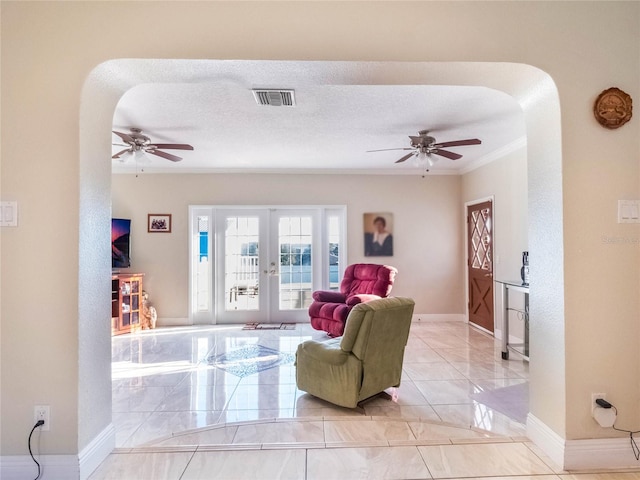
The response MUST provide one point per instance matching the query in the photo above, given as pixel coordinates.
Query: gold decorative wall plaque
(612, 108)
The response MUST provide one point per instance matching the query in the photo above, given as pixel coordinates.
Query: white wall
(49, 48)
(427, 228)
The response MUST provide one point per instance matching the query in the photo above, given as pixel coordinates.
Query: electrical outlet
(594, 397)
(42, 412)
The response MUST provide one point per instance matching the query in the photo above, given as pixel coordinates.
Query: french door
(267, 262)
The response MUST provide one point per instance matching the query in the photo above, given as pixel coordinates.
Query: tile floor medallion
(250, 359)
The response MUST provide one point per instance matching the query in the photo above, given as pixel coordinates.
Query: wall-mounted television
(120, 243)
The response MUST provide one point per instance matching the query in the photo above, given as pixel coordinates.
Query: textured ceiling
(330, 128)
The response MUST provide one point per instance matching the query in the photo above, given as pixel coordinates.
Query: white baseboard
(173, 322)
(546, 439)
(587, 454)
(53, 467)
(417, 317)
(438, 317)
(599, 453)
(95, 453)
(60, 467)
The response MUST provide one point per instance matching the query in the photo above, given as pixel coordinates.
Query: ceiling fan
(136, 141)
(425, 144)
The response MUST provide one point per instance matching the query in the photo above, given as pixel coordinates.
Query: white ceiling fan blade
(387, 149)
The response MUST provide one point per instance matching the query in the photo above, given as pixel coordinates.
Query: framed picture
(159, 223)
(378, 236)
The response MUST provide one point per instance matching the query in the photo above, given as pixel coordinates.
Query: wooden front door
(480, 264)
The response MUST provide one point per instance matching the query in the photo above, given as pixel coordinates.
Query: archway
(533, 89)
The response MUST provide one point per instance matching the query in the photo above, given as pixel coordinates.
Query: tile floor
(179, 417)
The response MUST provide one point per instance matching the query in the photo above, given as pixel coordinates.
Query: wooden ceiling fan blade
(446, 154)
(387, 149)
(459, 143)
(166, 155)
(124, 136)
(172, 146)
(406, 157)
(119, 154)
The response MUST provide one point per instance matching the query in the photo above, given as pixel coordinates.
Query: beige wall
(49, 48)
(427, 228)
(506, 181)
(428, 223)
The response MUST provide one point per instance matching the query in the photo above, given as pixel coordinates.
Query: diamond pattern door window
(481, 240)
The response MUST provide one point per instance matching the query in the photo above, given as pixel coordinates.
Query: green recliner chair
(366, 360)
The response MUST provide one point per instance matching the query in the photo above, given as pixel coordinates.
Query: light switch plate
(628, 211)
(8, 214)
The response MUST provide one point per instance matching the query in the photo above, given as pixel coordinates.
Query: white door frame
(321, 276)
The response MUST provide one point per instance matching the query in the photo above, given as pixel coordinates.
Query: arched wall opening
(532, 88)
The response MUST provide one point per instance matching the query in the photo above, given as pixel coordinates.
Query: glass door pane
(295, 246)
(203, 273)
(334, 235)
(265, 262)
(294, 271)
(240, 270)
(202, 259)
(242, 240)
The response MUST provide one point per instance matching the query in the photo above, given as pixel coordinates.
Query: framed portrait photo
(378, 234)
(159, 223)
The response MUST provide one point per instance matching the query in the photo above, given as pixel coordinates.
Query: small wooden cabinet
(126, 302)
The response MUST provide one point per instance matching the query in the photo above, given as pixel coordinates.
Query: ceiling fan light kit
(138, 144)
(423, 160)
(423, 147)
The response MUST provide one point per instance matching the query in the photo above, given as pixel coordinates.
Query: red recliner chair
(361, 283)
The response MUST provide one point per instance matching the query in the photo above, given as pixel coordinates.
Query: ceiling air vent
(275, 98)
